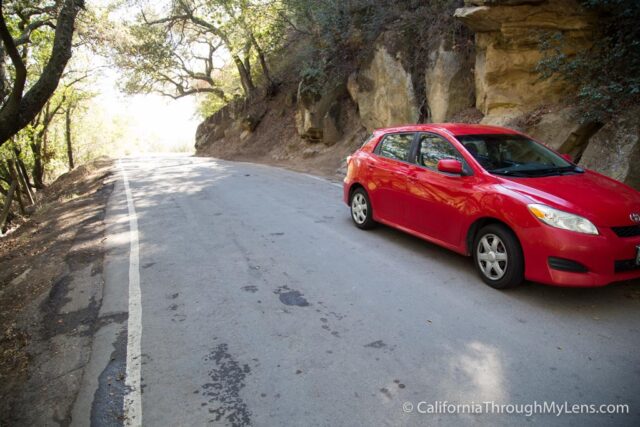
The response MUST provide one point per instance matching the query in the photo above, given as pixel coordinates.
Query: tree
(172, 63)
(22, 100)
(74, 98)
(38, 139)
(182, 51)
(213, 19)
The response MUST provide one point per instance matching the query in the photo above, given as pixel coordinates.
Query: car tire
(498, 257)
(361, 210)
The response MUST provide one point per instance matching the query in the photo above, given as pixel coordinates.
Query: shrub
(607, 76)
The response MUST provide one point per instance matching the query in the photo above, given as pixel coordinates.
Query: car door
(388, 177)
(438, 201)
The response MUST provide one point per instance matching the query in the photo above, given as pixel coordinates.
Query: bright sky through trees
(149, 122)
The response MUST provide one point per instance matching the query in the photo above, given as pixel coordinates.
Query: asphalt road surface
(261, 304)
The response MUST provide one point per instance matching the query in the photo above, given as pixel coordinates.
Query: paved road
(262, 304)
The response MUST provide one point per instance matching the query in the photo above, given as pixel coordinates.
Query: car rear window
(396, 146)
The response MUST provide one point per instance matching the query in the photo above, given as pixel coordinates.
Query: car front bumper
(606, 257)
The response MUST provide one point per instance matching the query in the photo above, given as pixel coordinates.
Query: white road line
(133, 398)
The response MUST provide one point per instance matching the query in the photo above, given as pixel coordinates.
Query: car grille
(626, 265)
(628, 231)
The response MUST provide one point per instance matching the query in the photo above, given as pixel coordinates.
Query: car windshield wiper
(509, 173)
(538, 172)
(554, 171)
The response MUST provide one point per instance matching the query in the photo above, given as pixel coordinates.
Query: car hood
(602, 200)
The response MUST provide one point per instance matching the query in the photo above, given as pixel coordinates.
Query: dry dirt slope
(50, 293)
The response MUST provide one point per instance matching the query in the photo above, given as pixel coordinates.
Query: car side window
(434, 148)
(396, 146)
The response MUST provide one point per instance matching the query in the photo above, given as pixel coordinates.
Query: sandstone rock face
(449, 83)
(615, 149)
(507, 52)
(331, 128)
(384, 92)
(214, 127)
(562, 130)
(235, 117)
(316, 118)
(309, 125)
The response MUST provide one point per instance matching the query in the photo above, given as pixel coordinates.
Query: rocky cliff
(494, 81)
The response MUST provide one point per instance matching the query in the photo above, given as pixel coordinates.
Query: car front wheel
(498, 257)
(361, 211)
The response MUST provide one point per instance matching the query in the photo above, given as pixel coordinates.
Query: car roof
(450, 128)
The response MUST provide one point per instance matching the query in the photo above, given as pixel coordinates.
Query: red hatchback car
(520, 209)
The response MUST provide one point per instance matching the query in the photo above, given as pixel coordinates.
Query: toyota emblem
(635, 217)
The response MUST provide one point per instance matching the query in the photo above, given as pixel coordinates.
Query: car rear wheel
(361, 211)
(498, 257)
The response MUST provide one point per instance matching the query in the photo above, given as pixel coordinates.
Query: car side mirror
(450, 166)
(567, 157)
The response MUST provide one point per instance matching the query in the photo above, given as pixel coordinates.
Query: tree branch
(16, 59)
(20, 110)
(25, 37)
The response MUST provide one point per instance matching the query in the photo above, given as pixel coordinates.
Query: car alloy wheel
(359, 208)
(498, 256)
(492, 257)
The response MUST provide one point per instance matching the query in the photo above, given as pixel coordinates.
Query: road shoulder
(51, 290)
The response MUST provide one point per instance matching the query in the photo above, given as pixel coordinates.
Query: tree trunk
(67, 117)
(262, 59)
(7, 205)
(14, 178)
(38, 169)
(23, 183)
(245, 78)
(3, 73)
(21, 108)
(23, 168)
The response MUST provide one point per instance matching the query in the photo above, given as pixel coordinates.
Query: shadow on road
(615, 297)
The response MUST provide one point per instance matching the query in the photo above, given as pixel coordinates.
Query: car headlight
(560, 219)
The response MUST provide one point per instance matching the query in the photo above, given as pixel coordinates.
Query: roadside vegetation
(606, 76)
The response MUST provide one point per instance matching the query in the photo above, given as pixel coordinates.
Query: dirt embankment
(50, 293)
(274, 138)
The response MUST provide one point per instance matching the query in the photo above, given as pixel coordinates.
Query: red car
(520, 209)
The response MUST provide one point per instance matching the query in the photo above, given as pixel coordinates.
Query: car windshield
(515, 155)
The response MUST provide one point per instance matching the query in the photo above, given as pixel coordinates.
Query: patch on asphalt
(223, 392)
(291, 297)
(108, 400)
(376, 344)
(57, 322)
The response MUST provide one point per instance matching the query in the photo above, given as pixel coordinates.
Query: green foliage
(344, 30)
(313, 79)
(207, 48)
(209, 104)
(343, 34)
(606, 76)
